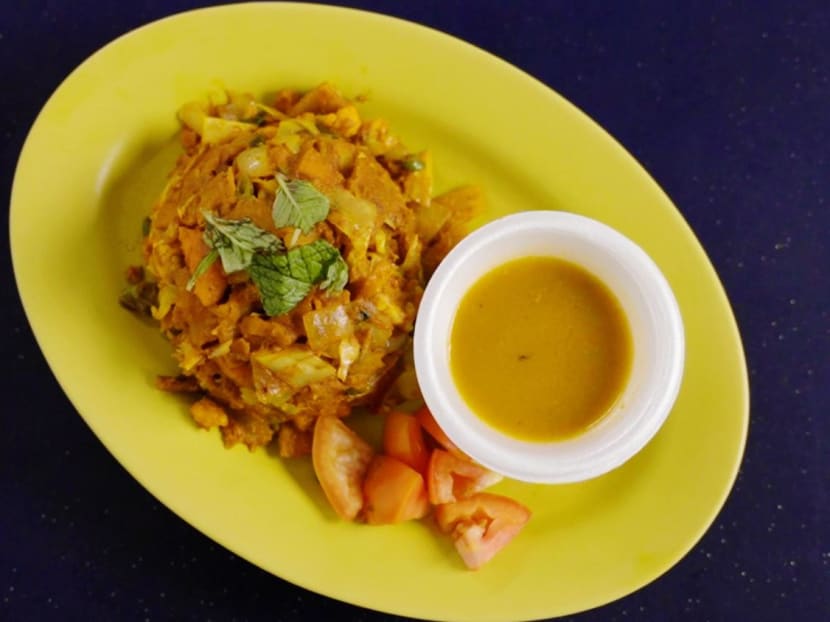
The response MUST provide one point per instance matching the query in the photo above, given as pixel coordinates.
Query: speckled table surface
(726, 104)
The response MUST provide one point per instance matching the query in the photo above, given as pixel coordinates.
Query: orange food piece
(403, 438)
(394, 492)
(450, 478)
(293, 443)
(178, 384)
(322, 99)
(481, 525)
(210, 286)
(249, 428)
(317, 169)
(462, 204)
(208, 414)
(340, 458)
(429, 424)
(370, 181)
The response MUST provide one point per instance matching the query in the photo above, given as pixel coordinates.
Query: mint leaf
(279, 289)
(337, 274)
(298, 204)
(234, 242)
(203, 266)
(238, 240)
(284, 279)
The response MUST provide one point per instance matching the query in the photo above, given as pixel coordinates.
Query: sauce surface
(540, 349)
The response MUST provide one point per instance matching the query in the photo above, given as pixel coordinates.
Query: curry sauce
(540, 349)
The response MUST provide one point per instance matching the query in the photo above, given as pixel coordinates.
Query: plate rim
(743, 391)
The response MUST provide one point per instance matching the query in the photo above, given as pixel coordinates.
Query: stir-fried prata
(285, 260)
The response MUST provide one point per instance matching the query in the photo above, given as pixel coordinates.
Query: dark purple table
(727, 106)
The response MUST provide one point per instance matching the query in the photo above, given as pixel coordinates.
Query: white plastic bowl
(656, 330)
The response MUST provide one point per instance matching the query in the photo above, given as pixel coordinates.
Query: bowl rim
(586, 455)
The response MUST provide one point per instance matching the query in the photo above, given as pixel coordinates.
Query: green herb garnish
(411, 163)
(238, 240)
(203, 266)
(284, 279)
(337, 272)
(234, 242)
(298, 204)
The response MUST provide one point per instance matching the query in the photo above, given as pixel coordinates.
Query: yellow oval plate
(94, 161)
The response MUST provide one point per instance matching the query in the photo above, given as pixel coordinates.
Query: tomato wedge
(403, 438)
(449, 478)
(393, 492)
(481, 525)
(340, 458)
(429, 424)
(420, 506)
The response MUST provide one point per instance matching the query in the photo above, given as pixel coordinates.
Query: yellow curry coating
(266, 375)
